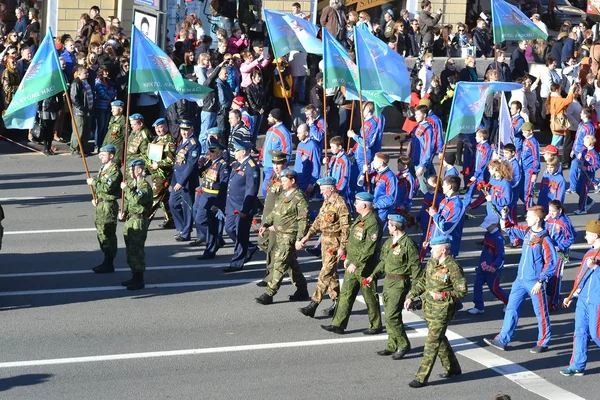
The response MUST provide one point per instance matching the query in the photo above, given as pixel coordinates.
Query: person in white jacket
(570, 73)
(426, 73)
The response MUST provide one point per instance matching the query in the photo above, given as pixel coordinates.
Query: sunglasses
(461, 30)
(212, 149)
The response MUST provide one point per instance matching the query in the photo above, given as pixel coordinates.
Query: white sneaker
(580, 212)
(590, 205)
(569, 191)
(475, 311)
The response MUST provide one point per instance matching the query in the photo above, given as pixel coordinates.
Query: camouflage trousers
(352, 284)
(160, 198)
(268, 243)
(105, 219)
(437, 315)
(284, 258)
(328, 277)
(394, 294)
(135, 232)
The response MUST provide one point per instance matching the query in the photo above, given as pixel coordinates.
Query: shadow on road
(23, 380)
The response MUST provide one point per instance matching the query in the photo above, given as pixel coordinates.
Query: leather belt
(332, 234)
(396, 277)
(98, 201)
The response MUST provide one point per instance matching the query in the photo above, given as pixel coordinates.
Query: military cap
(319, 75)
(137, 163)
(527, 126)
(136, 117)
(593, 226)
(159, 121)
(214, 131)
(440, 240)
(276, 114)
(109, 148)
(241, 145)
(117, 103)
(550, 149)
(185, 124)
(327, 181)
(289, 173)
(425, 102)
(489, 220)
(397, 218)
(215, 143)
(389, 11)
(278, 157)
(364, 196)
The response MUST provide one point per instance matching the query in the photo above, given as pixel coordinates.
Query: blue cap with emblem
(185, 124)
(327, 181)
(109, 148)
(213, 143)
(117, 103)
(397, 218)
(241, 145)
(214, 131)
(288, 173)
(364, 196)
(136, 117)
(159, 121)
(137, 163)
(440, 240)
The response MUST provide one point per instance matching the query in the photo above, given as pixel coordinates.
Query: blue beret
(185, 124)
(137, 163)
(327, 181)
(214, 142)
(389, 11)
(440, 240)
(109, 148)
(214, 131)
(242, 145)
(397, 218)
(136, 117)
(117, 103)
(289, 173)
(364, 196)
(159, 121)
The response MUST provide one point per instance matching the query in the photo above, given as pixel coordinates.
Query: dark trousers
(567, 146)
(238, 230)
(47, 132)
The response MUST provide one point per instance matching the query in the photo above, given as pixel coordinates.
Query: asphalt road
(196, 333)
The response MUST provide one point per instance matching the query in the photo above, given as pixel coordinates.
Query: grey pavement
(56, 312)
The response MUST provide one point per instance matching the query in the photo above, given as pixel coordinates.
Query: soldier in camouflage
(289, 220)
(107, 190)
(161, 172)
(115, 133)
(138, 202)
(333, 222)
(140, 136)
(440, 287)
(399, 261)
(363, 241)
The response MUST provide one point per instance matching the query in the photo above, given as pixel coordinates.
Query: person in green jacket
(115, 132)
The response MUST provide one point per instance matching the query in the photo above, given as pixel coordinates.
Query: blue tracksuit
(368, 135)
(468, 155)
(516, 123)
(185, 173)
(492, 255)
(452, 171)
(538, 262)
(250, 122)
(308, 163)
(514, 184)
(438, 131)
(424, 215)
(384, 194)
(278, 138)
(501, 193)
(530, 163)
(553, 187)
(425, 135)
(589, 163)
(339, 168)
(583, 129)
(483, 156)
(414, 151)
(380, 128)
(448, 221)
(563, 232)
(406, 189)
(587, 312)
(317, 131)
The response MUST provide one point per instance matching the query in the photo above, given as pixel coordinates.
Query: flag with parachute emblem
(290, 33)
(511, 24)
(43, 79)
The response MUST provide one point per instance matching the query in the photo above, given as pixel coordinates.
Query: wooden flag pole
(351, 124)
(325, 130)
(125, 146)
(81, 151)
(287, 102)
(362, 125)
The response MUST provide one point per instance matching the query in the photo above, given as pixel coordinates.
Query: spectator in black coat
(518, 63)
(504, 74)
(481, 39)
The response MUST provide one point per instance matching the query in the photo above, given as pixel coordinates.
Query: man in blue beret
(138, 202)
(242, 203)
(363, 243)
(107, 191)
(115, 133)
(440, 288)
(139, 138)
(399, 261)
(388, 28)
(333, 222)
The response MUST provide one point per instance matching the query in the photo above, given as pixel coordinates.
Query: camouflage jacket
(364, 237)
(273, 192)
(138, 198)
(446, 278)
(115, 135)
(165, 165)
(333, 218)
(107, 185)
(290, 214)
(138, 143)
(400, 258)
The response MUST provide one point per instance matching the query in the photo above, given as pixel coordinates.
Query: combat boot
(106, 267)
(330, 311)
(127, 282)
(310, 309)
(264, 299)
(137, 281)
(299, 295)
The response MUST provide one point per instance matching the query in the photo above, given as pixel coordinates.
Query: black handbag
(36, 132)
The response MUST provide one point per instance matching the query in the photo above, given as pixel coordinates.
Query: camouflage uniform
(267, 241)
(290, 220)
(108, 191)
(364, 237)
(115, 135)
(447, 279)
(137, 146)
(162, 175)
(400, 263)
(138, 201)
(333, 223)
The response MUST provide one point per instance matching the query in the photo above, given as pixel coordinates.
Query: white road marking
(20, 198)
(50, 231)
(187, 352)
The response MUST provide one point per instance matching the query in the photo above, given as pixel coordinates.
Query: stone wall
(69, 12)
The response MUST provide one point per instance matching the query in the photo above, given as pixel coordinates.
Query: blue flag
(468, 104)
(43, 79)
(153, 71)
(511, 24)
(290, 33)
(381, 68)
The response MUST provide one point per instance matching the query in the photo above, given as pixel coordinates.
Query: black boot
(106, 267)
(301, 294)
(137, 281)
(264, 299)
(310, 309)
(329, 311)
(128, 281)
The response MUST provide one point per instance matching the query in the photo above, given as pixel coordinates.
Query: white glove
(220, 215)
